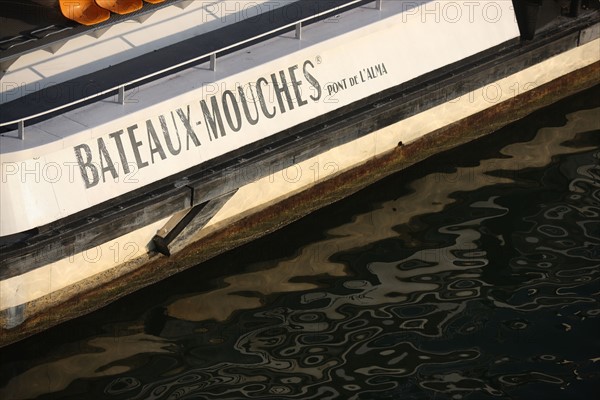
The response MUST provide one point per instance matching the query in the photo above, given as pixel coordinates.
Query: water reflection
(477, 280)
(96, 361)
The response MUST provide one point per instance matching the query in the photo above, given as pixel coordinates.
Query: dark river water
(474, 274)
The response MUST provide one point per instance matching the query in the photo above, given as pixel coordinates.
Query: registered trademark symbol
(319, 60)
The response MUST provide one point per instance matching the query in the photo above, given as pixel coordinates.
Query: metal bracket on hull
(195, 218)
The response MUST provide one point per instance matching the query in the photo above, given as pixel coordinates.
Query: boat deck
(183, 53)
(28, 25)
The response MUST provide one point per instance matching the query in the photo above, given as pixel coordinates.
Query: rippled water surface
(472, 275)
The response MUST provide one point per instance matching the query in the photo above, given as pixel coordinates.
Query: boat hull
(297, 171)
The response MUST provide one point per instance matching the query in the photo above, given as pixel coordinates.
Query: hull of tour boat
(109, 189)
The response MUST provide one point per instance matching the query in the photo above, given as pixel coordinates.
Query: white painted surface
(77, 267)
(408, 41)
(296, 178)
(284, 183)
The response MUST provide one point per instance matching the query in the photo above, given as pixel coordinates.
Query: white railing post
(213, 62)
(378, 4)
(299, 30)
(121, 99)
(21, 125)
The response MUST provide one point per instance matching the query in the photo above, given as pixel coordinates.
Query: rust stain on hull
(303, 203)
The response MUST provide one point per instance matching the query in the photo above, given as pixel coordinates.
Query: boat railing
(120, 89)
